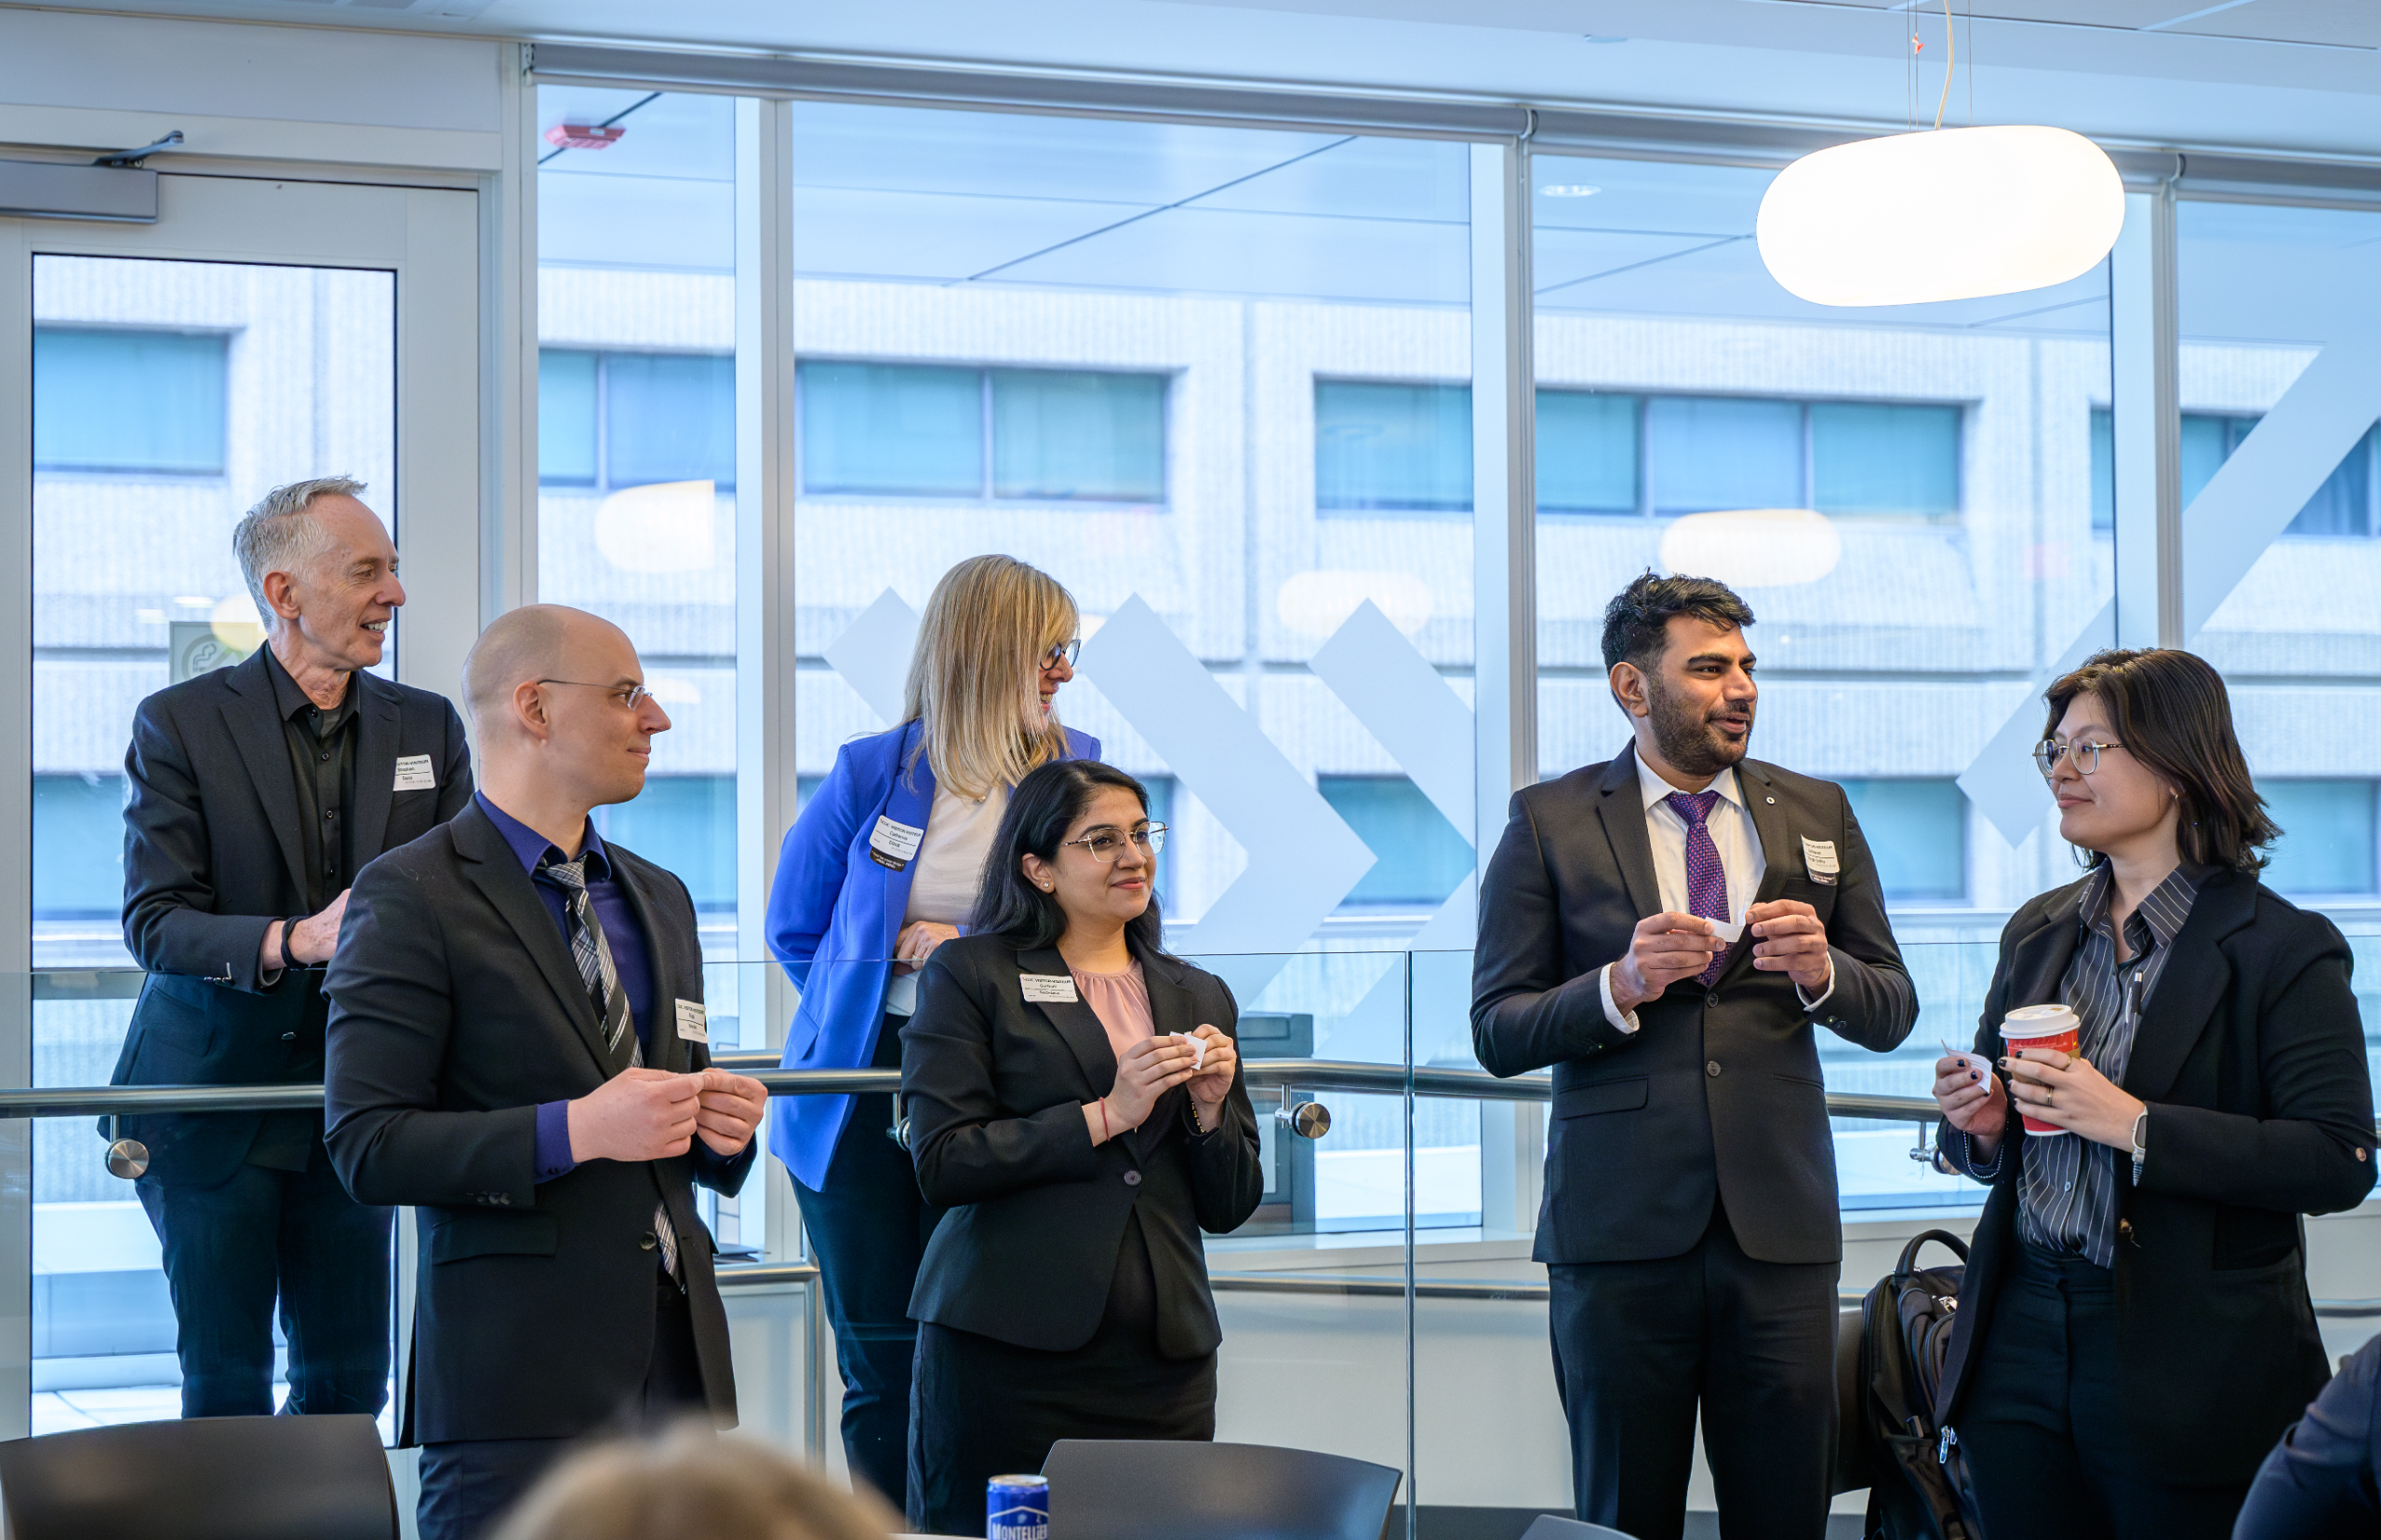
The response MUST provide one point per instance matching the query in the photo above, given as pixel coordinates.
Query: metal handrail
(1364, 1285)
(1274, 1074)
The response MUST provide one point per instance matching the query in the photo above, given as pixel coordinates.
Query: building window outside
(116, 399)
(1006, 435)
(2330, 845)
(617, 419)
(78, 846)
(1422, 857)
(1392, 447)
(1602, 453)
(1917, 830)
(687, 821)
(2348, 504)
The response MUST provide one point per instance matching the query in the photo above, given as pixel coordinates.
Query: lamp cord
(1952, 43)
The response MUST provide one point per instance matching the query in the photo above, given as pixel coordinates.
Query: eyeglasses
(629, 695)
(1065, 652)
(2086, 756)
(1106, 845)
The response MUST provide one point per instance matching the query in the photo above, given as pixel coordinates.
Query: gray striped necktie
(593, 954)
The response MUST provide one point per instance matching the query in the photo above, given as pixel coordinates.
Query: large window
(1422, 856)
(2348, 504)
(636, 446)
(928, 430)
(1392, 447)
(1918, 832)
(127, 399)
(2328, 842)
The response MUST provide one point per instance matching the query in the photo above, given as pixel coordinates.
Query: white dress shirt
(1733, 835)
(946, 872)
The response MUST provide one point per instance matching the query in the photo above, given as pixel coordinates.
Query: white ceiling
(2296, 75)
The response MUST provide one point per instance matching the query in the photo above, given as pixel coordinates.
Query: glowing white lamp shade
(1943, 214)
(1753, 546)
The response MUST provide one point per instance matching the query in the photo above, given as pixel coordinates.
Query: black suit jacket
(994, 1087)
(1717, 1098)
(456, 1010)
(212, 858)
(2251, 1058)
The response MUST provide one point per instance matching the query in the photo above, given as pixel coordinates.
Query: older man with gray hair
(256, 794)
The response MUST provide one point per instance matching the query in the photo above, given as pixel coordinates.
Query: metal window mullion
(2146, 423)
(16, 812)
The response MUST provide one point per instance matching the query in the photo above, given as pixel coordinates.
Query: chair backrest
(324, 1477)
(1176, 1490)
(1547, 1526)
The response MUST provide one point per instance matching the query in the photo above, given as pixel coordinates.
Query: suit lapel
(1073, 1020)
(497, 873)
(375, 758)
(1169, 1013)
(263, 740)
(911, 803)
(1622, 808)
(2194, 978)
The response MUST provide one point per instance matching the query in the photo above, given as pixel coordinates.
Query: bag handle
(1908, 1264)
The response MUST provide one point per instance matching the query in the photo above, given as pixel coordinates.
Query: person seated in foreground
(691, 1485)
(2319, 1479)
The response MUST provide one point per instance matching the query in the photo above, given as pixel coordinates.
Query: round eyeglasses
(1106, 845)
(2085, 756)
(1065, 652)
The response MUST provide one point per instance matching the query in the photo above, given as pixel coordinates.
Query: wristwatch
(2140, 1150)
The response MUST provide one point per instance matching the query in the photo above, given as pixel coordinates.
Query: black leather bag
(1918, 1486)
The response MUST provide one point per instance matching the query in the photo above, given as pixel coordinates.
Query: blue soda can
(1016, 1508)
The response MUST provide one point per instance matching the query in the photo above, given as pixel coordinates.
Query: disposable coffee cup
(2041, 1027)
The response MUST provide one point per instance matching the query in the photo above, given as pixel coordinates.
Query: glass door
(258, 333)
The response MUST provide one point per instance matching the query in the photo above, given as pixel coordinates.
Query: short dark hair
(1050, 798)
(1636, 623)
(2171, 712)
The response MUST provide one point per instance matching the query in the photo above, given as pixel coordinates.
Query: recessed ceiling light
(1568, 189)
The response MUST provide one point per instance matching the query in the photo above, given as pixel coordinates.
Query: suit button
(648, 1240)
(1132, 1178)
(1712, 1069)
(1711, 1001)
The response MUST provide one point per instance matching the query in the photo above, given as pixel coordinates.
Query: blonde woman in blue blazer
(882, 867)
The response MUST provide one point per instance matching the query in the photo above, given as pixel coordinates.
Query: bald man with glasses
(518, 1048)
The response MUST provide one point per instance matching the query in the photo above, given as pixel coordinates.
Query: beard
(1684, 734)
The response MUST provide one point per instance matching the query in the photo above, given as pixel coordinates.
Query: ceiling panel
(2342, 23)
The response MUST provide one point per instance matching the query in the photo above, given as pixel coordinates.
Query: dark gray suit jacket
(456, 1010)
(212, 858)
(995, 1088)
(1717, 1098)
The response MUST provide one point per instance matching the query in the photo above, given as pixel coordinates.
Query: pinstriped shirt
(2068, 1190)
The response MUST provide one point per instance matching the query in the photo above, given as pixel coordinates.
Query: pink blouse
(1121, 1000)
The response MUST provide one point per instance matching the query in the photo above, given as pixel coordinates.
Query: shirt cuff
(1811, 1004)
(1622, 1022)
(553, 1141)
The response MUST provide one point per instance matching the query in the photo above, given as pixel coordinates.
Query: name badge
(1049, 988)
(693, 1025)
(893, 843)
(1818, 859)
(415, 774)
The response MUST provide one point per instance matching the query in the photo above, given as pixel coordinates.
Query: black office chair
(1167, 1489)
(206, 1479)
(1547, 1526)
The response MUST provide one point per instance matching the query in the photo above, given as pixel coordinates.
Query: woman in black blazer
(1059, 1108)
(2135, 1331)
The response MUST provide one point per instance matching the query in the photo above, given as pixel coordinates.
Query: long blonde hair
(975, 677)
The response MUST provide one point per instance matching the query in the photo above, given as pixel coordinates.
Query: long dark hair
(1040, 811)
(2171, 712)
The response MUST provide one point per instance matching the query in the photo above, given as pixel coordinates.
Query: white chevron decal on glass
(1302, 856)
(873, 652)
(1402, 702)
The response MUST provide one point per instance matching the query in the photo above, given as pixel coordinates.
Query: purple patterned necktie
(1706, 880)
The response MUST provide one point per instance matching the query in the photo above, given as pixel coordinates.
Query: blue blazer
(834, 913)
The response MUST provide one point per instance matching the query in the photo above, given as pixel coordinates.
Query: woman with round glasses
(880, 867)
(1075, 1103)
(2134, 1331)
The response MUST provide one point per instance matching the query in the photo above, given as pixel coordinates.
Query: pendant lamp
(1940, 214)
